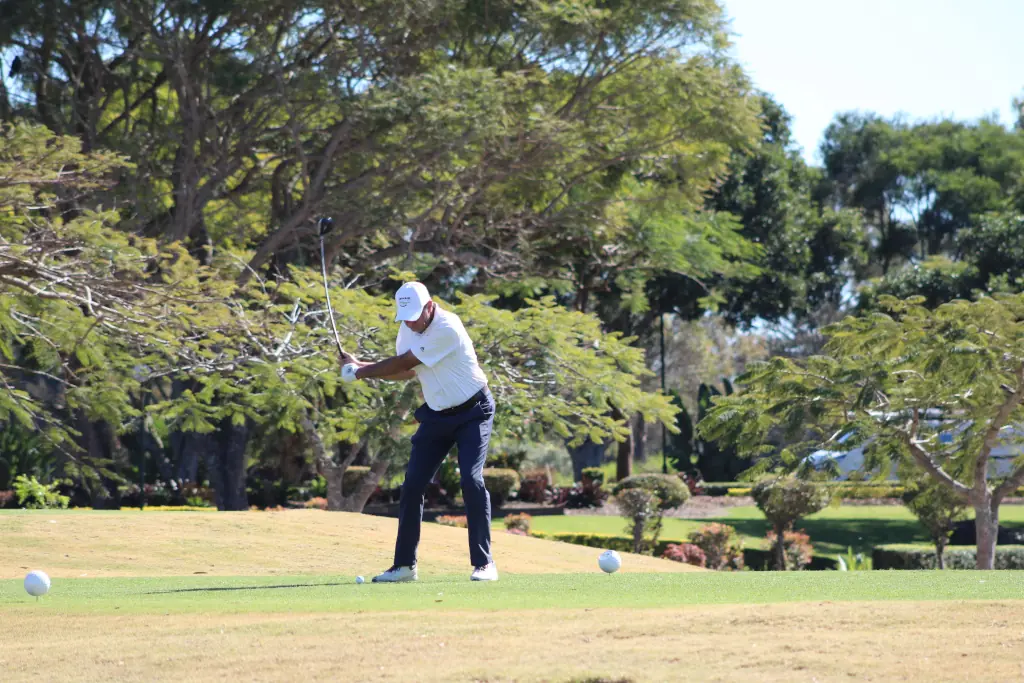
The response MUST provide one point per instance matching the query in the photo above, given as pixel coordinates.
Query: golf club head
(325, 225)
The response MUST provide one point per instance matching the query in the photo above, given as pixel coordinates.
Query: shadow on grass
(214, 589)
(860, 534)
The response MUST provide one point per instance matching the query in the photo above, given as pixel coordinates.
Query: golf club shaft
(327, 292)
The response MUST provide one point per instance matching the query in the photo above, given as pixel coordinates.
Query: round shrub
(722, 546)
(687, 553)
(500, 484)
(518, 522)
(670, 489)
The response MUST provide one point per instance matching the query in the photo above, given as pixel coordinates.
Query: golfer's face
(421, 322)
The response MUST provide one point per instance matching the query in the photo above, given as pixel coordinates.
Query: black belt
(455, 410)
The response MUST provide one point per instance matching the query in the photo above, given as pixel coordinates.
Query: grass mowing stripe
(543, 591)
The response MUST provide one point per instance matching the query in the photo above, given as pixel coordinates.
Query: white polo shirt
(448, 372)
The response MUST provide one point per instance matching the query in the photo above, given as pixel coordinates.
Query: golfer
(433, 347)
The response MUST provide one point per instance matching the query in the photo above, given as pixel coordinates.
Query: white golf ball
(37, 583)
(359, 579)
(609, 561)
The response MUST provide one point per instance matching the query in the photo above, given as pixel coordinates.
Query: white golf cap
(410, 300)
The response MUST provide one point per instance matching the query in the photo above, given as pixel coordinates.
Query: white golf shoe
(488, 572)
(397, 575)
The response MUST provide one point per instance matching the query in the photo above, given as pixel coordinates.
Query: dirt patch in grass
(880, 641)
(131, 543)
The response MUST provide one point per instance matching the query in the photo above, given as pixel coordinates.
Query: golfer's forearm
(408, 374)
(396, 366)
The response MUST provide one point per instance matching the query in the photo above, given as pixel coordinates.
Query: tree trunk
(587, 454)
(986, 525)
(638, 536)
(940, 554)
(780, 549)
(640, 439)
(355, 501)
(624, 455)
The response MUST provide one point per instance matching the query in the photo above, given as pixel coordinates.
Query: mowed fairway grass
(166, 596)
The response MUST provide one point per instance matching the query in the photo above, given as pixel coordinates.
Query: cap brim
(408, 315)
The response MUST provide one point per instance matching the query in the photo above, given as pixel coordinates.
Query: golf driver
(325, 225)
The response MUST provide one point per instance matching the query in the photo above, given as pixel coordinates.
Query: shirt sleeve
(433, 349)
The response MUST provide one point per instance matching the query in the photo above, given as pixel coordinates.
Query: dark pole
(664, 437)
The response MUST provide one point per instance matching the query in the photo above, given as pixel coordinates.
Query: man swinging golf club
(434, 348)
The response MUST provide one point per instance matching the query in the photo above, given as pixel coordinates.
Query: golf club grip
(327, 293)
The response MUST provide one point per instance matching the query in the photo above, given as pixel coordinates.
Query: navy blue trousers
(470, 430)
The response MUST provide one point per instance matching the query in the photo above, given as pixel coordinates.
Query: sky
(923, 58)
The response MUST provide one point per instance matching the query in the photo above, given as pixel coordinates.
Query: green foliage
(899, 556)
(938, 509)
(642, 510)
(722, 546)
(679, 449)
(593, 475)
(500, 483)
(669, 489)
(853, 562)
(797, 549)
(717, 461)
(453, 520)
(784, 500)
(520, 522)
(35, 495)
(926, 389)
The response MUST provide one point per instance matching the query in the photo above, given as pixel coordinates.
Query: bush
(642, 511)
(319, 503)
(8, 500)
(586, 494)
(904, 556)
(520, 522)
(453, 520)
(34, 495)
(722, 546)
(669, 489)
(534, 487)
(500, 484)
(693, 483)
(594, 475)
(687, 553)
(784, 500)
(318, 487)
(507, 460)
(798, 549)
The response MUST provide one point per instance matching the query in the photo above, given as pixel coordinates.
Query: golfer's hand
(347, 358)
(348, 372)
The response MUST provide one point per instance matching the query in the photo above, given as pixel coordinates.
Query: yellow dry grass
(896, 641)
(132, 543)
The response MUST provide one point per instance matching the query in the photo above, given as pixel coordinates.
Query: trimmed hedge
(842, 489)
(500, 484)
(753, 558)
(670, 489)
(909, 556)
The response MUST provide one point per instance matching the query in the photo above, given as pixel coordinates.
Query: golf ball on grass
(37, 583)
(359, 579)
(609, 561)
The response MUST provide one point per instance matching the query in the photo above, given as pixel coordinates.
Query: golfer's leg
(430, 445)
(472, 439)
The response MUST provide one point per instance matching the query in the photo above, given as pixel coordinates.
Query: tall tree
(933, 389)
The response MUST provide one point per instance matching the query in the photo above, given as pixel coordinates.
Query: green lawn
(832, 530)
(235, 595)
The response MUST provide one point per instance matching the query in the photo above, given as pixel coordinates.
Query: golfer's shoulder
(450, 320)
